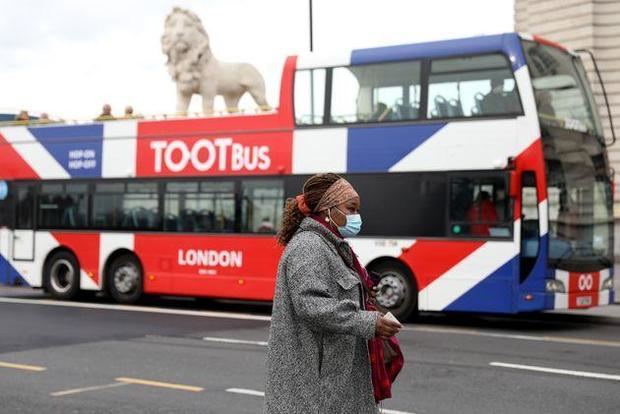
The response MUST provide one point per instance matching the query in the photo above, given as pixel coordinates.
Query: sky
(69, 57)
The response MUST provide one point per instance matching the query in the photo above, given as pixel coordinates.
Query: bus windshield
(580, 200)
(561, 89)
(578, 183)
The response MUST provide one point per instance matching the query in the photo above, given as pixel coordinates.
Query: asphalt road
(180, 356)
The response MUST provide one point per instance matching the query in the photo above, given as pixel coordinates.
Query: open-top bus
(480, 162)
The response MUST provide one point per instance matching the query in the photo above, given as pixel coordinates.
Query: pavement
(172, 355)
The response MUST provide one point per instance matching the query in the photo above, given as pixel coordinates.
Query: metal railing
(228, 112)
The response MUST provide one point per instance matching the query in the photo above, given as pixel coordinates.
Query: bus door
(23, 235)
(530, 225)
(6, 235)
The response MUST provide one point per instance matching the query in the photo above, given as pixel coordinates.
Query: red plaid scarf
(384, 371)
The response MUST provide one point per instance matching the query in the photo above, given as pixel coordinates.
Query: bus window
(376, 93)
(423, 195)
(62, 206)
(472, 86)
(261, 207)
(479, 207)
(309, 96)
(131, 206)
(200, 207)
(25, 207)
(6, 216)
(561, 89)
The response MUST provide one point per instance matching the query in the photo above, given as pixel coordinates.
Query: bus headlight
(555, 286)
(608, 284)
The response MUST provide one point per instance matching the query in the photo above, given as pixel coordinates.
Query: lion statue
(196, 71)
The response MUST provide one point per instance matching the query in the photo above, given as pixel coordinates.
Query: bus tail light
(555, 286)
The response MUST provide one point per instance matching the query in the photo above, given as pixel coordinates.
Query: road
(182, 356)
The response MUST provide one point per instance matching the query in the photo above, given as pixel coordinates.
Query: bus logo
(205, 154)
(210, 258)
(586, 281)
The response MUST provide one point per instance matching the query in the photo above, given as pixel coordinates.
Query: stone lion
(196, 71)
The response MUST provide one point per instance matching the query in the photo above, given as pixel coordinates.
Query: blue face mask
(352, 226)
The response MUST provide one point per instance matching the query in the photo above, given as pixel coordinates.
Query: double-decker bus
(480, 162)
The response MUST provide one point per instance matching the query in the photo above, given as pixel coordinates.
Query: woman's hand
(372, 295)
(385, 328)
(373, 292)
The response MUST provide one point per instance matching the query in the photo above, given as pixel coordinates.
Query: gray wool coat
(317, 360)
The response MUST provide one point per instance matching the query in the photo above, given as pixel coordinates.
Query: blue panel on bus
(496, 293)
(76, 148)
(379, 148)
(536, 281)
(8, 275)
(508, 43)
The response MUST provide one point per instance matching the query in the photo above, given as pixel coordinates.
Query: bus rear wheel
(397, 289)
(124, 279)
(62, 275)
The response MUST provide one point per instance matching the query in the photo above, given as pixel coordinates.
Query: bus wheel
(62, 275)
(124, 279)
(397, 289)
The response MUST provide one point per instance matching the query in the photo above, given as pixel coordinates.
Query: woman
(318, 359)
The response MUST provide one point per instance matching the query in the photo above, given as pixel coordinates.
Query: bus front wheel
(124, 279)
(62, 275)
(397, 291)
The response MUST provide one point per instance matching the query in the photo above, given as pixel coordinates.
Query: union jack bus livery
(480, 162)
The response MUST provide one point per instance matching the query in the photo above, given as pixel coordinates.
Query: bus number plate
(584, 301)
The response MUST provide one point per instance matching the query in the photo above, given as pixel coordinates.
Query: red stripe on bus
(548, 42)
(13, 165)
(86, 248)
(429, 259)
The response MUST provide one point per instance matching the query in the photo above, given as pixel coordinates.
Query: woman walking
(318, 359)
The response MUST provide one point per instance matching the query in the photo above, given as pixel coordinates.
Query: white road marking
(234, 341)
(554, 339)
(256, 393)
(131, 308)
(95, 388)
(584, 374)
(22, 366)
(246, 392)
(159, 384)
(246, 316)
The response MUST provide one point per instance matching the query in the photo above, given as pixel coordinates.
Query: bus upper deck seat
(447, 108)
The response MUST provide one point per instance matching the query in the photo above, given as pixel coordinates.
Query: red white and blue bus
(480, 162)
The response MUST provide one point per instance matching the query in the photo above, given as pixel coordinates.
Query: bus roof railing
(152, 117)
